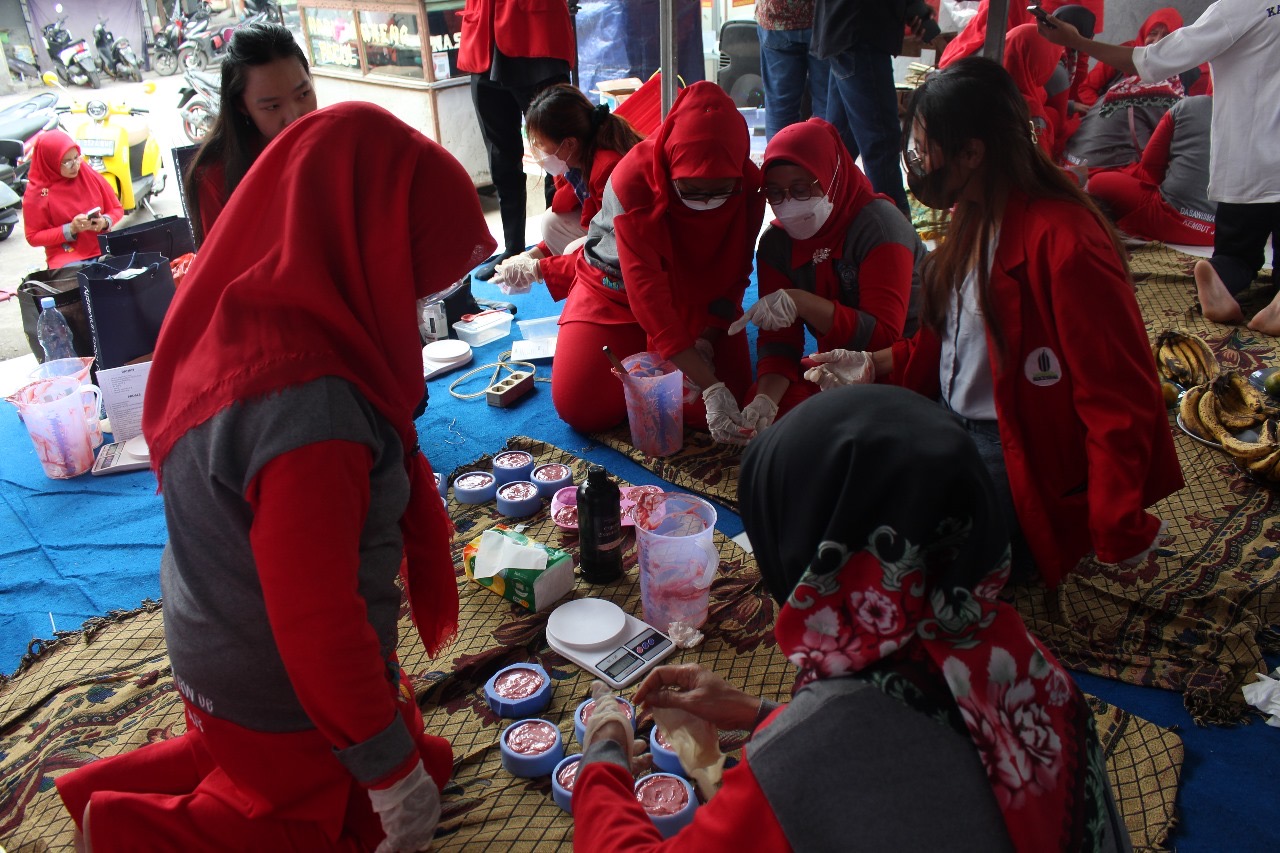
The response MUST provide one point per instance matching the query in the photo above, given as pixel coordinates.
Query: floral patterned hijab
(873, 519)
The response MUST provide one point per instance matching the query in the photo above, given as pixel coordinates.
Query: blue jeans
(863, 81)
(787, 67)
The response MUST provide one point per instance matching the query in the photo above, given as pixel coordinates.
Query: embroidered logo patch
(1042, 367)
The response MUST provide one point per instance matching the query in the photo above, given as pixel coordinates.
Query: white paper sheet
(497, 552)
(122, 392)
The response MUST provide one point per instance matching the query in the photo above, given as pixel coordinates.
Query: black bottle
(599, 528)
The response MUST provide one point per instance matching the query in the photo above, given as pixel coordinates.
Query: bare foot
(1267, 321)
(1215, 300)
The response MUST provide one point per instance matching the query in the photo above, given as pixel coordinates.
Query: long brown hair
(233, 140)
(562, 111)
(975, 98)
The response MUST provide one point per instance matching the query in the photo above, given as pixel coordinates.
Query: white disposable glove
(517, 274)
(841, 367)
(724, 418)
(772, 312)
(707, 350)
(1140, 559)
(759, 413)
(409, 811)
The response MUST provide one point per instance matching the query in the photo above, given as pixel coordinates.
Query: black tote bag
(168, 236)
(125, 314)
(63, 285)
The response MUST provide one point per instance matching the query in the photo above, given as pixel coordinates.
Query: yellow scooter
(118, 145)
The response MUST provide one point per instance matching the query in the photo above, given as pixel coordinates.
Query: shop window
(332, 38)
(392, 44)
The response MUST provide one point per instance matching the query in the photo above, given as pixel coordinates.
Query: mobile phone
(97, 211)
(1038, 12)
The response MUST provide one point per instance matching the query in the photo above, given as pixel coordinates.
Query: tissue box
(533, 590)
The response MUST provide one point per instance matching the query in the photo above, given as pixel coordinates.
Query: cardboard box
(532, 590)
(614, 92)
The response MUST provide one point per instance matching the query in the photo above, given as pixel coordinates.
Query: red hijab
(1030, 61)
(1168, 16)
(316, 273)
(703, 136)
(59, 198)
(974, 35)
(816, 147)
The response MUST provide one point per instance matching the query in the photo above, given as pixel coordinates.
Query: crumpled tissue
(683, 635)
(1264, 694)
(498, 552)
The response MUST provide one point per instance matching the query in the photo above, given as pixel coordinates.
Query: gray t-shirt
(1186, 183)
(1113, 134)
(220, 642)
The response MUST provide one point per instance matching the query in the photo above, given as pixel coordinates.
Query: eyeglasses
(914, 161)
(702, 195)
(798, 192)
(71, 161)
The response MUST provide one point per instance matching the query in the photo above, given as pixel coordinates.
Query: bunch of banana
(1184, 358)
(1216, 410)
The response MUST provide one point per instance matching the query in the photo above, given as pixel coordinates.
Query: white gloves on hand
(724, 418)
(707, 350)
(1140, 559)
(772, 312)
(517, 274)
(841, 367)
(409, 811)
(759, 413)
(607, 710)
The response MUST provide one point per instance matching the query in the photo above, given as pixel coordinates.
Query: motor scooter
(10, 201)
(198, 103)
(118, 145)
(72, 60)
(165, 51)
(21, 123)
(115, 56)
(209, 46)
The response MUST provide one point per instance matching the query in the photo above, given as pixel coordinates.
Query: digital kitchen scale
(608, 642)
(444, 355)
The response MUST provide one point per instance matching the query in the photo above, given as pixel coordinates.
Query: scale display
(601, 638)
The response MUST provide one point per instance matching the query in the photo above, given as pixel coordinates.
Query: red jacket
(1082, 421)
(560, 268)
(529, 28)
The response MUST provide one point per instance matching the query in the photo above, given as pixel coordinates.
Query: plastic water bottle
(599, 528)
(53, 332)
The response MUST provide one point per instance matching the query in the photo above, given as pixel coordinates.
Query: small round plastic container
(512, 465)
(551, 477)
(583, 713)
(518, 499)
(664, 757)
(562, 781)
(531, 748)
(518, 691)
(474, 487)
(668, 800)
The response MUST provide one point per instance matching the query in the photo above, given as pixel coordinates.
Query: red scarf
(315, 272)
(61, 198)
(974, 35)
(704, 251)
(1030, 61)
(816, 147)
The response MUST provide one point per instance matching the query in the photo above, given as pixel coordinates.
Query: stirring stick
(613, 359)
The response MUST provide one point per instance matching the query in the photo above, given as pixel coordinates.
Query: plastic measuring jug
(678, 558)
(654, 392)
(78, 368)
(61, 427)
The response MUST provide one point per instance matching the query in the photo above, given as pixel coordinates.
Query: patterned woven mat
(1198, 616)
(702, 466)
(81, 701)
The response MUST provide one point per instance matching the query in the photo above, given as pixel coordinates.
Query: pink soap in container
(668, 800)
(531, 748)
(563, 780)
(520, 690)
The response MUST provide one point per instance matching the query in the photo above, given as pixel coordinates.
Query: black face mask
(931, 189)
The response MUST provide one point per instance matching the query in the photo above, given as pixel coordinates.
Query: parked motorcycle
(72, 60)
(209, 46)
(198, 103)
(115, 56)
(10, 200)
(118, 145)
(20, 124)
(164, 56)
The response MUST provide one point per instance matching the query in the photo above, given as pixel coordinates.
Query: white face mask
(802, 219)
(699, 204)
(550, 163)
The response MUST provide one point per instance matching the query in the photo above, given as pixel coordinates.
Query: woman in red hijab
(666, 263)
(280, 420)
(974, 35)
(59, 196)
(838, 260)
(1160, 23)
(1030, 61)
